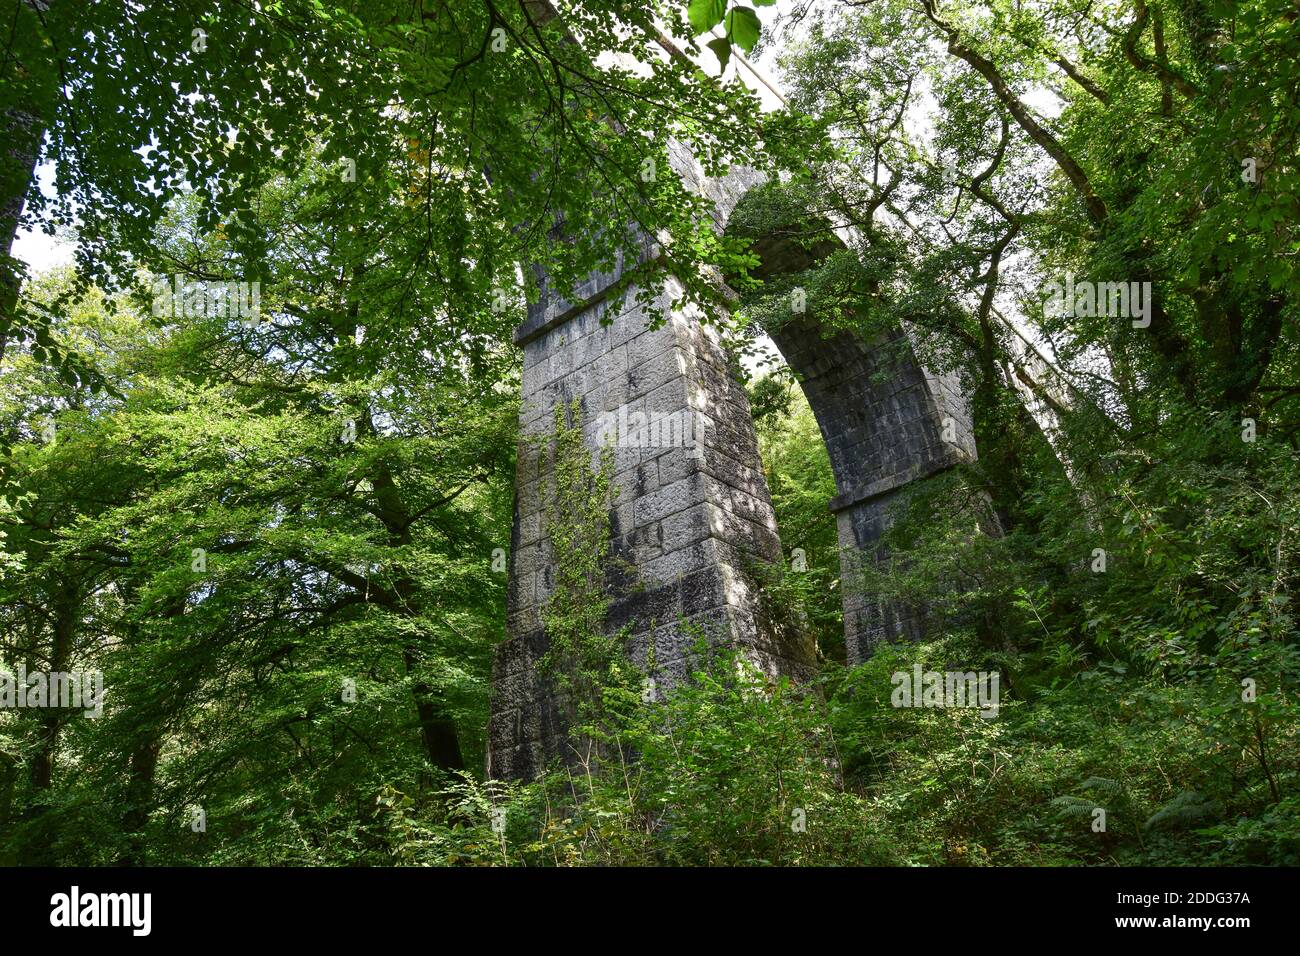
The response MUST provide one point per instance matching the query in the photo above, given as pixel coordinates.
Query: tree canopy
(279, 530)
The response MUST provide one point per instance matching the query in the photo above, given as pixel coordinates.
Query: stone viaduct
(694, 522)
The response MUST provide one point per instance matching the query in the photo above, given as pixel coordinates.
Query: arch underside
(882, 417)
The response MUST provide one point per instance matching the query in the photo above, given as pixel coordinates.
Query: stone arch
(886, 420)
(694, 523)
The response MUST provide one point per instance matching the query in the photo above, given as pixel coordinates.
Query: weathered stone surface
(887, 422)
(692, 516)
(883, 417)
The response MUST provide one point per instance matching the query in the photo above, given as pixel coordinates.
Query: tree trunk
(51, 718)
(21, 132)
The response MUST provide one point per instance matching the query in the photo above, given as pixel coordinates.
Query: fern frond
(1187, 808)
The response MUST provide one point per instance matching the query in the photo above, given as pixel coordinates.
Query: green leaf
(705, 14)
(743, 27)
(722, 48)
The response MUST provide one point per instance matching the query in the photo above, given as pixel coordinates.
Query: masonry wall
(690, 526)
(887, 422)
